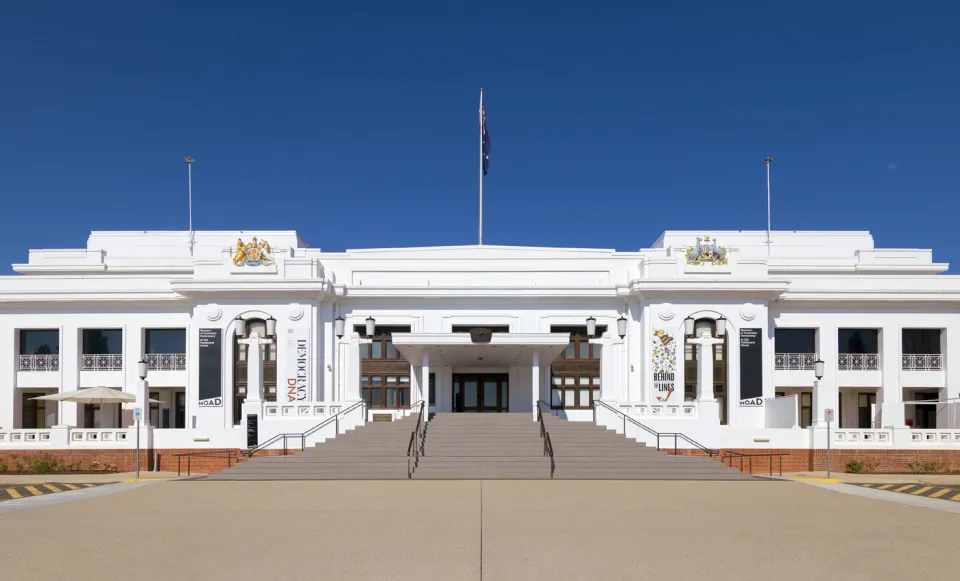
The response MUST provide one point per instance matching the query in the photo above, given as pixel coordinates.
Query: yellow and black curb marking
(945, 492)
(14, 492)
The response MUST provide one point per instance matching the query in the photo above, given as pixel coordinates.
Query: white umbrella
(94, 395)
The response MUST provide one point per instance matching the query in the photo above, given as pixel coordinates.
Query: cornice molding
(350, 291)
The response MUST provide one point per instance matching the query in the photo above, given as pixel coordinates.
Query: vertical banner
(751, 368)
(298, 365)
(211, 368)
(664, 352)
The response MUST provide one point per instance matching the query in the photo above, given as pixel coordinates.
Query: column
(9, 364)
(707, 404)
(535, 385)
(328, 353)
(825, 391)
(890, 395)
(425, 383)
(69, 373)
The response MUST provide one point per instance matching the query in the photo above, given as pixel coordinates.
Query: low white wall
(782, 412)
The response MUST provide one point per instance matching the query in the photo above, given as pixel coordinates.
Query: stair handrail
(545, 435)
(656, 434)
(415, 446)
(303, 437)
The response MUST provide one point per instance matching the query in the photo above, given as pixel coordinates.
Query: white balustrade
(166, 361)
(794, 361)
(921, 362)
(39, 363)
(858, 362)
(101, 363)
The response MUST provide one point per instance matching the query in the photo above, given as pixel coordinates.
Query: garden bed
(29, 464)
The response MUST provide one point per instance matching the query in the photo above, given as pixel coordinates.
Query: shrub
(856, 467)
(43, 464)
(932, 467)
(3, 466)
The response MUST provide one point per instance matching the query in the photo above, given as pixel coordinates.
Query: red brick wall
(799, 460)
(122, 460)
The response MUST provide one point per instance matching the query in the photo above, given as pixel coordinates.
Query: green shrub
(856, 467)
(44, 464)
(3, 466)
(934, 467)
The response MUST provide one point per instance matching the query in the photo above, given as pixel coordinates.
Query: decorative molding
(666, 313)
(747, 312)
(295, 312)
(213, 313)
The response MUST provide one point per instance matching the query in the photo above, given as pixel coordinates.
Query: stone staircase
(483, 446)
(585, 451)
(374, 451)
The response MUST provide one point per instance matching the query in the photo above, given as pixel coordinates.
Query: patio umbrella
(94, 395)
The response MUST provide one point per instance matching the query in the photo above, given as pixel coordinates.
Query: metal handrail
(545, 435)
(415, 446)
(730, 455)
(675, 435)
(303, 437)
(230, 455)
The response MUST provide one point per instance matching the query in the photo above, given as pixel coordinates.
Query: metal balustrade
(39, 363)
(166, 361)
(794, 361)
(858, 362)
(921, 362)
(101, 362)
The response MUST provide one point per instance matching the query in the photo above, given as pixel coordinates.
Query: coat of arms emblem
(707, 252)
(253, 253)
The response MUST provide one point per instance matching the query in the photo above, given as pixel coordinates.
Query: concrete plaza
(448, 530)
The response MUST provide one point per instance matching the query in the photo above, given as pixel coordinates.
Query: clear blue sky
(355, 123)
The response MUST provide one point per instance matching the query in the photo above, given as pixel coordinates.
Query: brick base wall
(126, 460)
(799, 460)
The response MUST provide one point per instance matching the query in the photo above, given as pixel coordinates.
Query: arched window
(240, 353)
(690, 357)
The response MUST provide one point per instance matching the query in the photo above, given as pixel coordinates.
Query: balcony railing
(858, 362)
(39, 363)
(167, 361)
(794, 361)
(922, 362)
(101, 363)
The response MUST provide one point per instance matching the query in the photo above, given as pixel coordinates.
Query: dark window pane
(433, 389)
(39, 342)
(584, 349)
(103, 341)
(568, 353)
(795, 340)
(857, 341)
(376, 350)
(376, 398)
(364, 352)
(391, 397)
(921, 341)
(404, 397)
(391, 350)
(165, 341)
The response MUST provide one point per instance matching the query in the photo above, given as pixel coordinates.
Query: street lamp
(144, 399)
(688, 326)
(721, 326)
(338, 327)
(371, 326)
(591, 326)
(239, 326)
(142, 369)
(622, 326)
(271, 327)
(818, 369)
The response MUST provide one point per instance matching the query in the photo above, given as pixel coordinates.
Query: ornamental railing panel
(858, 362)
(167, 361)
(921, 362)
(794, 361)
(101, 362)
(39, 363)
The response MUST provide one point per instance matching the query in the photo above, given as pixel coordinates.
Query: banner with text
(751, 367)
(298, 365)
(211, 368)
(664, 354)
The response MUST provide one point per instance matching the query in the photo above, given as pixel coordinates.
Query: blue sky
(356, 123)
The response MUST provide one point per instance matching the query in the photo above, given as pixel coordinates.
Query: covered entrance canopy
(503, 350)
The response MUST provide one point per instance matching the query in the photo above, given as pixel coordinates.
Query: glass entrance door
(481, 393)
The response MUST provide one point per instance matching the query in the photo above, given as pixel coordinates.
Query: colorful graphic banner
(664, 350)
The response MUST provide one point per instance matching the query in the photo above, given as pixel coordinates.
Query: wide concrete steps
(375, 451)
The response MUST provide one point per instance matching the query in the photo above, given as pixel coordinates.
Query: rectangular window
(432, 382)
(795, 340)
(165, 341)
(39, 342)
(921, 342)
(858, 341)
(103, 342)
(806, 409)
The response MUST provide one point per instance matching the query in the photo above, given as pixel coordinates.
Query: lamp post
(339, 326)
(818, 372)
(591, 326)
(143, 401)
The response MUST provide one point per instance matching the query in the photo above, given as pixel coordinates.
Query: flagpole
(189, 161)
(767, 163)
(480, 243)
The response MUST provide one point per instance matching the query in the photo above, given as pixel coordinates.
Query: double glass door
(485, 393)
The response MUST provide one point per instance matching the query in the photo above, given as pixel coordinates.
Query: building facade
(733, 340)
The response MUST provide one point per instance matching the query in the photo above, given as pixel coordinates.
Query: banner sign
(298, 365)
(211, 368)
(751, 368)
(664, 354)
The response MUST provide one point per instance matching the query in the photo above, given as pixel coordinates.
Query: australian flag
(485, 139)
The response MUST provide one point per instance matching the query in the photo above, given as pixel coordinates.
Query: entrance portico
(510, 366)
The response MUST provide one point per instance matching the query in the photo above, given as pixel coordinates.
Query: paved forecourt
(449, 530)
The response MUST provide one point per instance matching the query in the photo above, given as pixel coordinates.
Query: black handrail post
(189, 458)
(751, 464)
(178, 465)
(674, 444)
(771, 465)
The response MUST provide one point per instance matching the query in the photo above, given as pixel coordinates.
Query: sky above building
(356, 124)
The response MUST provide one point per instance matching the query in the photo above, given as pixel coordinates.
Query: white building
(884, 322)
